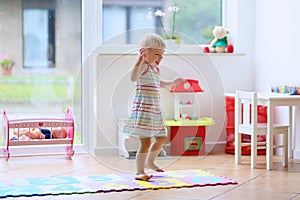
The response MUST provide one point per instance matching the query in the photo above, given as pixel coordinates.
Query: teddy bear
(221, 42)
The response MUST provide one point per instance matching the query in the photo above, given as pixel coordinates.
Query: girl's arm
(170, 84)
(138, 68)
(136, 72)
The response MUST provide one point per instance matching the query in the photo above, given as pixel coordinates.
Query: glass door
(42, 41)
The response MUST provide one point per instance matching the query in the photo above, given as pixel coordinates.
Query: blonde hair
(152, 40)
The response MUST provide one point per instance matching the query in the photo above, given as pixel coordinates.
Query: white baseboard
(215, 146)
(209, 147)
(107, 151)
(98, 151)
(296, 154)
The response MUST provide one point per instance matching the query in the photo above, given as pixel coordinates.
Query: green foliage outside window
(196, 19)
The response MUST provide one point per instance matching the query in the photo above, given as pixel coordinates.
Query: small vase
(171, 45)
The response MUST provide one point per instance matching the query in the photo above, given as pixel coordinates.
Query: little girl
(146, 119)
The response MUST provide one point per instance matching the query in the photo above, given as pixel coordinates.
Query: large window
(43, 40)
(193, 21)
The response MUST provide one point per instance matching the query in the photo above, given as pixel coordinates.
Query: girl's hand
(140, 59)
(142, 51)
(178, 81)
(170, 84)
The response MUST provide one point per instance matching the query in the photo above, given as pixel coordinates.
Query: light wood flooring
(280, 183)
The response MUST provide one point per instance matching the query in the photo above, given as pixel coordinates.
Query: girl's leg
(154, 151)
(141, 158)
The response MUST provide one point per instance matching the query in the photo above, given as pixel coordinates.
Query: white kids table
(272, 100)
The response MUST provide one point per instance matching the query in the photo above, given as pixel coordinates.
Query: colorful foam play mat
(59, 185)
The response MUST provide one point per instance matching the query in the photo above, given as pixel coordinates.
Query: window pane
(116, 26)
(194, 17)
(193, 21)
(36, 36)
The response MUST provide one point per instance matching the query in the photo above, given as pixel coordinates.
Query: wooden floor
(280, 183)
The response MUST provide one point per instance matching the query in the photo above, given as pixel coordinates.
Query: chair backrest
(246, 109)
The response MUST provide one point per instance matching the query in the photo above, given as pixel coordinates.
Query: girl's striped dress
(146, 118)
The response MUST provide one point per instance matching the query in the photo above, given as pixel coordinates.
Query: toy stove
(187, 129)
(185, 100)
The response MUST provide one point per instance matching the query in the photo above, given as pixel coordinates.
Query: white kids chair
(246, 123)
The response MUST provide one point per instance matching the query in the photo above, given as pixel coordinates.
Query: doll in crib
(41, 133)
(54, 132)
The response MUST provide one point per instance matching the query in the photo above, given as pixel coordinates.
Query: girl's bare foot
(154, 168)
(143, 177)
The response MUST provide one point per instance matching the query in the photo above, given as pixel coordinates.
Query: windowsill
(223, 54)
(181, 49)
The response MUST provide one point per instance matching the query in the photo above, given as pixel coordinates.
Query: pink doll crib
(12, 129)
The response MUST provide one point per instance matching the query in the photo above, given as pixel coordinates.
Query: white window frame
(91, 39)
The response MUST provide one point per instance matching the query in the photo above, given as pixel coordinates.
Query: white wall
(276, 43)
(276, 60)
